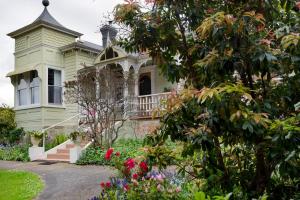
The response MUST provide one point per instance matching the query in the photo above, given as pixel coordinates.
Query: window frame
(61, 86)
(33, 84)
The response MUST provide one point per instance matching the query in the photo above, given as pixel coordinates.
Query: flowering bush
(135, 181)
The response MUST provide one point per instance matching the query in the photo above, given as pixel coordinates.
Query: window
(22, 91)
(34, 87)
(54, 86)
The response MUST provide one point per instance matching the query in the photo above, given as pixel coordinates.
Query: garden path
(65, 181)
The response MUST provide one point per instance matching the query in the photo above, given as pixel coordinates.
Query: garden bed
(15, 153)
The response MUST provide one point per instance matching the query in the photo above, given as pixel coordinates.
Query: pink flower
(108, 154)
(160, 178)
(178, 189)
(159, 187)
(126, 187)
(129, 163)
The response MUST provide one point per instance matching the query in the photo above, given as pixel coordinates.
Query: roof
(23, 70)
(83, 45)
(46, 20)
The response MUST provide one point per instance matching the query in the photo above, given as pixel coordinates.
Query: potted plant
(35, 137)
(76, 137)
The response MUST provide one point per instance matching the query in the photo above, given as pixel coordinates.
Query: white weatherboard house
(47, 54)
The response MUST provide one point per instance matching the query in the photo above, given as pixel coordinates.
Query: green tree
(241, 62)
(9, 133)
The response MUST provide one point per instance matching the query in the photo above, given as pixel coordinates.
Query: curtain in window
(54, 86)
(22, 92)
(35, 91)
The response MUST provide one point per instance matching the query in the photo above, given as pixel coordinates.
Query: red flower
(108, 154)
(143, 166)
(126, 187)
(118, 154)
(108, 184)
(135, 176)
(129, 163)
(102, 184)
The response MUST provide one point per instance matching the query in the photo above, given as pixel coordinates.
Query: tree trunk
(262, 175)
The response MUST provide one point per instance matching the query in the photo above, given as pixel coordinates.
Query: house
(47, 54)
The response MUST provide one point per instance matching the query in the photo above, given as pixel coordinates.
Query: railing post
(44, 140)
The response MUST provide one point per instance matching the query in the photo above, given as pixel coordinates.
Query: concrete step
(57, 156)
(56, 160)
(70, 146)
(63, 150)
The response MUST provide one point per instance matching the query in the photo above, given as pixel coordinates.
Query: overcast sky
(83, 16)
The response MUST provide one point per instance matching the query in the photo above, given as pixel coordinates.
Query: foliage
(95, 155)
(18, 185)
(135, 181)
(14, 153)
(57, 140)
(9, 133)
(36, 134)
(76, 135)
(238, 115)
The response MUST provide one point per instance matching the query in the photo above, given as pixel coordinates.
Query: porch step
(70, 146)
(64, 156)
(63, 151)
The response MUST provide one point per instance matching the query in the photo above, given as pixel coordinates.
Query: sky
(84, 16)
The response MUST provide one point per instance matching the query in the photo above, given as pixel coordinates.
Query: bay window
(54, 87)
(22, 90)
(34, 87)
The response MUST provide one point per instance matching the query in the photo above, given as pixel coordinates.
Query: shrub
(15, 153)
(135, 181)
(95, 155)
(58, 139)
(9, 133)
(36, 134)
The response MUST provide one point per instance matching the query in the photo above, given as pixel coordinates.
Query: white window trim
(28, 94)
(51, 105)
(31, 85)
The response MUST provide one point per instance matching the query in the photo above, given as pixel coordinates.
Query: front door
(145, 84)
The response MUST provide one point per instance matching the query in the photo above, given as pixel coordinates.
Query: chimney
(109, 34)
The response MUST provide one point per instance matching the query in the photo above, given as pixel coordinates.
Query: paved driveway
(65, 181)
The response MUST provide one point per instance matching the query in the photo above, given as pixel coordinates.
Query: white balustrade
(148, 103)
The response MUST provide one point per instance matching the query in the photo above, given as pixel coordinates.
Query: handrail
(52, 126)
(157, 94)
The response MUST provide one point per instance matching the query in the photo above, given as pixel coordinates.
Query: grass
(19, 185)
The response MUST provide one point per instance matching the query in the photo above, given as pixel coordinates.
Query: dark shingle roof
(45, 19)
(83, 45)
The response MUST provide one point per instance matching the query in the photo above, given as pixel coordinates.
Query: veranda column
(126, 98)
(136, 93)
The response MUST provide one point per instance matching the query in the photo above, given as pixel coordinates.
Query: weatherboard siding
(28, 40)
(57, 39)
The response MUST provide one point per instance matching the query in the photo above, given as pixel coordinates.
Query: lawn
(19, 185)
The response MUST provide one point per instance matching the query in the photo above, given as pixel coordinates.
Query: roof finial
(46, 3)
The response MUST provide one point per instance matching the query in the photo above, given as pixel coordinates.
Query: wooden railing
(147, 103)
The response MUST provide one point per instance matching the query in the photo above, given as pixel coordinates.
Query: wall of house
(28, 50)
(56, 39)
(161, 83)
(30, 119)
(73, 61)
(40, 47)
